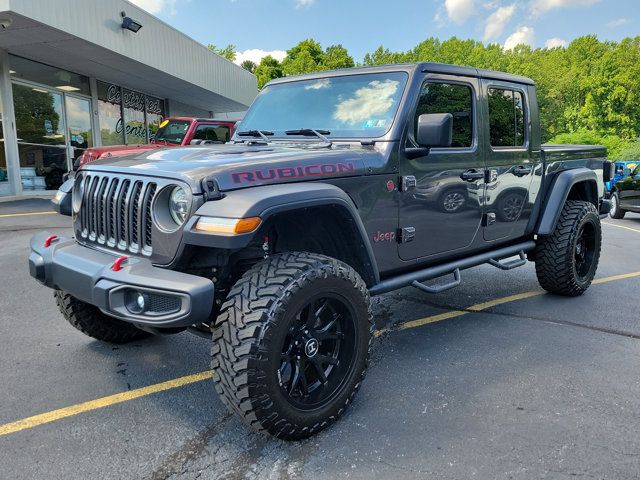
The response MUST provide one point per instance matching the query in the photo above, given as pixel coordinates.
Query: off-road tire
(92, 322)
(256, 314)
(555, 255)
(616, 212)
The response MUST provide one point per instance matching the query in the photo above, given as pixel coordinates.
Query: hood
(239, 165)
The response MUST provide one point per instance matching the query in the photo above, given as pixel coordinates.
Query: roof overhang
(87, 38)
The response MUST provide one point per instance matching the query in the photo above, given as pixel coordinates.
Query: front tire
(566, 260)
(92, 322)
(616, 212)
(291, 344)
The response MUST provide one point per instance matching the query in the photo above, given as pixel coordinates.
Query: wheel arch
(313, 217)
(575, 184)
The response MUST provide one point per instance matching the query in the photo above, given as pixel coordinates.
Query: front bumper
(174, 299)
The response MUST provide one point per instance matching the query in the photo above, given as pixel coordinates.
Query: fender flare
(269, 200)
(558, 193)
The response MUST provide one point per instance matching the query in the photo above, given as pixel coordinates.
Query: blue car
(622, 170)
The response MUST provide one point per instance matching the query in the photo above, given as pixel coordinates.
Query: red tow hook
(49, 239)
(117, 265)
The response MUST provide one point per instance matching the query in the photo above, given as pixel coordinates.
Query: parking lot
(494, 379)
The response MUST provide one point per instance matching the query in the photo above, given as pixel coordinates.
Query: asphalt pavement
(526, 386)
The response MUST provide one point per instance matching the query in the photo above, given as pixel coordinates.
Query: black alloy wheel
(317, 352)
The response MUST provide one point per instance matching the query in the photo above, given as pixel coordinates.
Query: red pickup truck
(172, 132)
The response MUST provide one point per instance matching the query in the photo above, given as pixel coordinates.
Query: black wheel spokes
(312, 355)
(585, 250)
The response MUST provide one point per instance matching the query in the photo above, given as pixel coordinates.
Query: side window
(216, 133)
(506, 118)
(449, 98)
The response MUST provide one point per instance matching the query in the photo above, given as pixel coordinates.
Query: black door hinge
(406, 234)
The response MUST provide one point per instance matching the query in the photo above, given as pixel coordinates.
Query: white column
(97, 138)
(9, 122)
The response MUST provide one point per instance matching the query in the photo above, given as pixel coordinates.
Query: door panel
(509, 162)
(444, 208)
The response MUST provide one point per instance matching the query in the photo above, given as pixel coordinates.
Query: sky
(259, 27)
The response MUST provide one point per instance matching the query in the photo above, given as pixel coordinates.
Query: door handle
(472, 175)
(522, 170)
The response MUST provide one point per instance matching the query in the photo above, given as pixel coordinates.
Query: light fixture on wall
(129, 23)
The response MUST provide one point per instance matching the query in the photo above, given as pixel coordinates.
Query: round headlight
(179, 205)
(77, 193)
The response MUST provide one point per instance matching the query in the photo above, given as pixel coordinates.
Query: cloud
(497, 21)
(304, 3)
(157, 6)
(618, 22)
(538, 7)
(521, 35)
(256, 54)
(555, 42)
(459, 10)
(371, 101)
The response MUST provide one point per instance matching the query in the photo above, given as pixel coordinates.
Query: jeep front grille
(116, 212)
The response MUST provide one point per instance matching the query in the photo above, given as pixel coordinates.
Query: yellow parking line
(72, 410)
(54, 415)
(621, 226)
(7, 215)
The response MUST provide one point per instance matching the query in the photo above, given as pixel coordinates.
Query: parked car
(622, 169)
(272, 245)
(625, 195)
(172, 132)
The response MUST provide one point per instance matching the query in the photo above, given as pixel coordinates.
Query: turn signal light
(228, 226)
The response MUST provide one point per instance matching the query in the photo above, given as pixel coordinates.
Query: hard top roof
(414, 67)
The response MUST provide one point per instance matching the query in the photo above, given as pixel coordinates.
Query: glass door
(42, 137)
(78, 110)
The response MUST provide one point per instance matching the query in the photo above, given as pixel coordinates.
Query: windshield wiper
(256, 133)
(310, 132)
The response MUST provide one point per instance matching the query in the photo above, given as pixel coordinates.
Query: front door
(443, 190)
(42, 137)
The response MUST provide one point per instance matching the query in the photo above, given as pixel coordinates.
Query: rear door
(510, 161)
(442, 191)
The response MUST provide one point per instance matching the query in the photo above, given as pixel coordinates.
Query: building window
(134, 125)
(127, 116)
(155, 115)
(57, 78)
(450, 98)
(506, 118)
(110, 114)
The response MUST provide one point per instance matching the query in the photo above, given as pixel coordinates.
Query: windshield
(347, 106)
(172, 131)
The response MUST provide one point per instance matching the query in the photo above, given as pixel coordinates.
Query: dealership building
(78, 73)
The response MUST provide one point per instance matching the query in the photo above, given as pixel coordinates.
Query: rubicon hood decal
(241, 165)
(322, 169)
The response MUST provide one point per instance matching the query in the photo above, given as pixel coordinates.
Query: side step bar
(492, 257)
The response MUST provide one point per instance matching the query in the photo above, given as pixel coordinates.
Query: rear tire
(291, 344)
(616, 212)
(92, 322)
(566, 260)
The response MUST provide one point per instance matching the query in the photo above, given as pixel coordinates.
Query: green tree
(306, 57)
(268, 69)
(249, 66)
(228, 52)
(336, 56)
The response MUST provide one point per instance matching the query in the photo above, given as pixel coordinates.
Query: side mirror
(435, 130)
(195, 142)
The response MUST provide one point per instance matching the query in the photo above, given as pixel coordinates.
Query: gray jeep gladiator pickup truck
(336, 186)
